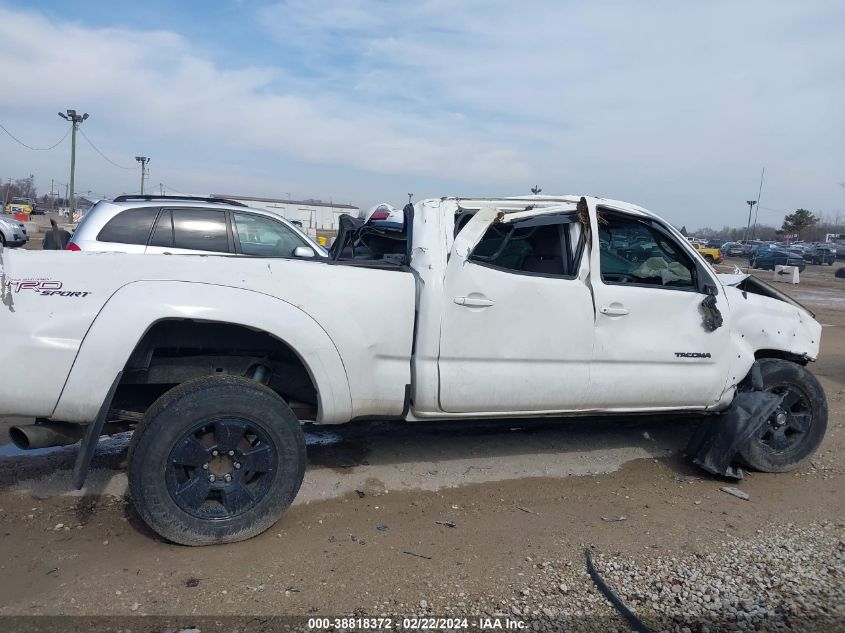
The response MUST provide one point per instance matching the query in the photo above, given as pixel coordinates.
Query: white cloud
(153, 86)
(676, 107)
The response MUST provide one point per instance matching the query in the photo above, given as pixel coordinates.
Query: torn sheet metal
(732, 279)
(716, 443)
(711, 318)
(509, 216)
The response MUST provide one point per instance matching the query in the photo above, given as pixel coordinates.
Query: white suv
(188, 225)
(12, 231)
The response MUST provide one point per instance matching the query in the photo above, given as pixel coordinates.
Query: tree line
(802, 223)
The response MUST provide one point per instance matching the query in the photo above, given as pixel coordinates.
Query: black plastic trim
(92, 436)
(130, 197)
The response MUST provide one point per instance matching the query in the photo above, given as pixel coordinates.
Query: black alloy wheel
(220, 468)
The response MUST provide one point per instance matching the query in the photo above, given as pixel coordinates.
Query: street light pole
(143, 160)
(750, 204)
(75, 119)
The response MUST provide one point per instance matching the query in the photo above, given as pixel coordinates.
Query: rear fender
(135, 307)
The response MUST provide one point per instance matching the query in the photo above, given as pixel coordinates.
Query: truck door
(652, 347)
(517, 318)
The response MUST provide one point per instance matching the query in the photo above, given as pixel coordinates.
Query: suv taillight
(72, 247)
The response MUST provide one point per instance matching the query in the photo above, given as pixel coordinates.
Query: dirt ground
(399, 518)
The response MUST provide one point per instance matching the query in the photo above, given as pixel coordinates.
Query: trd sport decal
(46, 287)
(692, 354)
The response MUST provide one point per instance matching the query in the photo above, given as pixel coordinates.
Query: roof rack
(128, 197)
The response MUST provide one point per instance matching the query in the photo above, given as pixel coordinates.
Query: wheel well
(776, 353)
(174, 351)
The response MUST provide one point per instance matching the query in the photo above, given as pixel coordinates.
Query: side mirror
(304, 252)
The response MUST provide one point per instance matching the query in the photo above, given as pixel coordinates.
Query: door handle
(473, 302)
(614, 311)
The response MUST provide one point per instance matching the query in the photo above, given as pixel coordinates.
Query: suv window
(634, 251)
(539, 245)
(200, 230)
(265, 237)
(163, 232)
(129, 227)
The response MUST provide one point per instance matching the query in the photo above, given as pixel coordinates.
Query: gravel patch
(787, 578)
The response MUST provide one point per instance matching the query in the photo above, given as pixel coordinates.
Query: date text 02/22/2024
(417, 623)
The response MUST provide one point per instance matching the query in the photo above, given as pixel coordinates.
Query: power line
(166, 186)
(101, 154)
(35, 149)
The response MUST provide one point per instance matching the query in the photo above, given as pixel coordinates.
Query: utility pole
(143, 160)
(410, 197)
(759, 196)
(75, 119)
(6, 201)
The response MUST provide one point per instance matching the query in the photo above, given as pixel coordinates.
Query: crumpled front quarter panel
(762, 323)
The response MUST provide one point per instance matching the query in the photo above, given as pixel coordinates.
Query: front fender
(135, 307)
(760, 324)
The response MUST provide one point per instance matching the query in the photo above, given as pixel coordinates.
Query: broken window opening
(635, 252)
(383, 244)
(540, 245)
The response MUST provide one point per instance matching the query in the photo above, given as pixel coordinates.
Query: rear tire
(797, 428)
(217, 459)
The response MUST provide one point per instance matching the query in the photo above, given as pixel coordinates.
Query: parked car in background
(733, 249)
(767, 258)
(712, 255)
(20, 205)
(820, 254)
(188, 225)
(12, 231)
(636, 249)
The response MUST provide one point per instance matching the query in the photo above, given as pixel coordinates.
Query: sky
(673, 106)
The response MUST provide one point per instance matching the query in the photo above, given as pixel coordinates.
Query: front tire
(217, 459)
(796, 429)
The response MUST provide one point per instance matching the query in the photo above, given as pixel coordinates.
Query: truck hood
(732, 279)
(754, 285)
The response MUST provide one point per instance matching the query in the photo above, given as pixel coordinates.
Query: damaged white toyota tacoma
(466, 308)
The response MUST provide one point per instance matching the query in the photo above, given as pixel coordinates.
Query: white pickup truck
(470, 308)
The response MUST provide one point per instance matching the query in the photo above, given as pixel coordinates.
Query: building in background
(316, 216)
